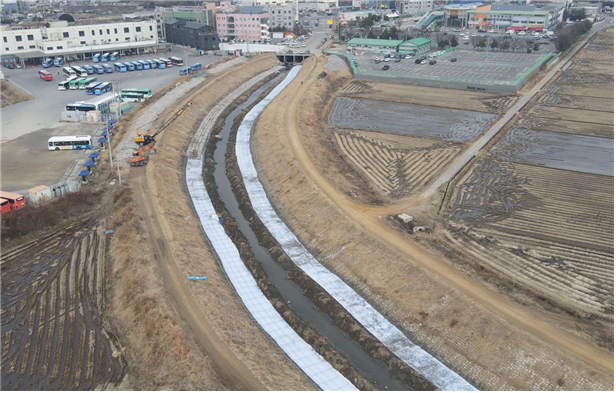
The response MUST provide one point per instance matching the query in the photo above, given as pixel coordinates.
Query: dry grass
(11, 95)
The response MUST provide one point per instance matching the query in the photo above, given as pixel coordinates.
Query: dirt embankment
(486, 349)
(11, 95)
(163, 352)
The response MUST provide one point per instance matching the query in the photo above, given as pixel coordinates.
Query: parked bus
(58, 61)
(167, 62)
(137, 65)
(184, 71)
(64, 85)
(159, 64)
(89, 69)
(147, 93)
(5, 206)
(196, 66)
(69, 142)
(176, 61)
(80, 107)
(101, 103)
(90, 88)
(145, 64)
(68, 72)
(129, 66)
(96, 58)
(150, 63)
(98, 69)
(114, 56)
(45, 75)
(103, 88)
(108, 69)
(133, 97)
(120, 67)
(105, 57)
(16, 201)
(47, 63)
(74, 84)
(86, 81)
(80, 71)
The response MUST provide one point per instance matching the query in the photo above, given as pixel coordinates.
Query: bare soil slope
(11, 95)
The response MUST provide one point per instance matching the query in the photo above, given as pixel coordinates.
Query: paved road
(468, 155)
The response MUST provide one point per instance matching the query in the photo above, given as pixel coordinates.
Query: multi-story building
(202, 15)
(28, 42)
(195, 35)
(247, 24)
(515, 17)
(413, 7)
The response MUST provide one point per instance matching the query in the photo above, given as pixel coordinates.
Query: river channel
(372, 369)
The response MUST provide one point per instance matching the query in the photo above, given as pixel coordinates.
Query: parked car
(453, 59)
(9, 65)
(424, 61)
(397, 60)
(432, 62)
(423, 58)
(418, 61)
(385, 67)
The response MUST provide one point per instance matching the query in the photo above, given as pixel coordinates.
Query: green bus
(86, 81)
(74, 84)
(134, 97)
(147, 93)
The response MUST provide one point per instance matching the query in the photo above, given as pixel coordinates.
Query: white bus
(70, 142)
(68, 72)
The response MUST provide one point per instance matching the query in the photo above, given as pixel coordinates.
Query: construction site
(292, 228)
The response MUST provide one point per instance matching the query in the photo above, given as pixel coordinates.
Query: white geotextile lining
(306, 358)
(378, 325)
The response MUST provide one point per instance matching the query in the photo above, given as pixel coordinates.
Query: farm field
(539, 207)
(52, 332)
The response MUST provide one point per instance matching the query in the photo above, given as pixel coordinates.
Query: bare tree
(474, 41)
(529, 43)
(516, 44)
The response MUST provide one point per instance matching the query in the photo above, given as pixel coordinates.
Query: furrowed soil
(495, 330)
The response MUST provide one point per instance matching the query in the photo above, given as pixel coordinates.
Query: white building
(62, 39)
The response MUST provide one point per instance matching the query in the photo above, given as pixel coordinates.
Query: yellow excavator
(146, 138)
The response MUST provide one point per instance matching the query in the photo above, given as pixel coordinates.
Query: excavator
(140, 158)
(146, 139)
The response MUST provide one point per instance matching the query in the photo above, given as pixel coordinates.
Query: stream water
(374, 370)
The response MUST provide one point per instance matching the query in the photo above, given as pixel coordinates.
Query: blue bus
(120, 67)
(114, 56)
(80, 107)
(184, 71)
(47, 63)
(145, 64)
(129, 66)
(98, 69)
(159, 64)
(196, 66)
(90, 88)
(138, 66)
(96, 58)
(103, 88)
(58, 61)
(105, 57)
(89, 69)
(107, 68)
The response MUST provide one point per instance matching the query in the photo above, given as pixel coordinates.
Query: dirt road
(231, 370)
(367, 218)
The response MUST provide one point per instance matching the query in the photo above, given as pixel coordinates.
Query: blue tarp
(112, 121)
(89, 163)
(104, 133)
(102, 140)
(84, 173)
(93, 155)
(110, 127)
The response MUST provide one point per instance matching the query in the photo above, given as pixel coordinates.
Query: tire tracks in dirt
(231, 370)
(365, 216)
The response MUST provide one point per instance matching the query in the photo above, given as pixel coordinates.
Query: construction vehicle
(146, 138)
(140, 158)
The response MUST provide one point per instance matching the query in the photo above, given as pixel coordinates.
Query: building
(202, 15)
(456, 15)
(413, 7)
(191, 34)
(515, 17)
(77, 41)
(248, 24)
(415, 46)
(412, 47)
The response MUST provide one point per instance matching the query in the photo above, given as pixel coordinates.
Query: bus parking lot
(26, 126)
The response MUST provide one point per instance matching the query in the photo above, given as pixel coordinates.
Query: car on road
(453, 59)
(385, 67)
(432, 62)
